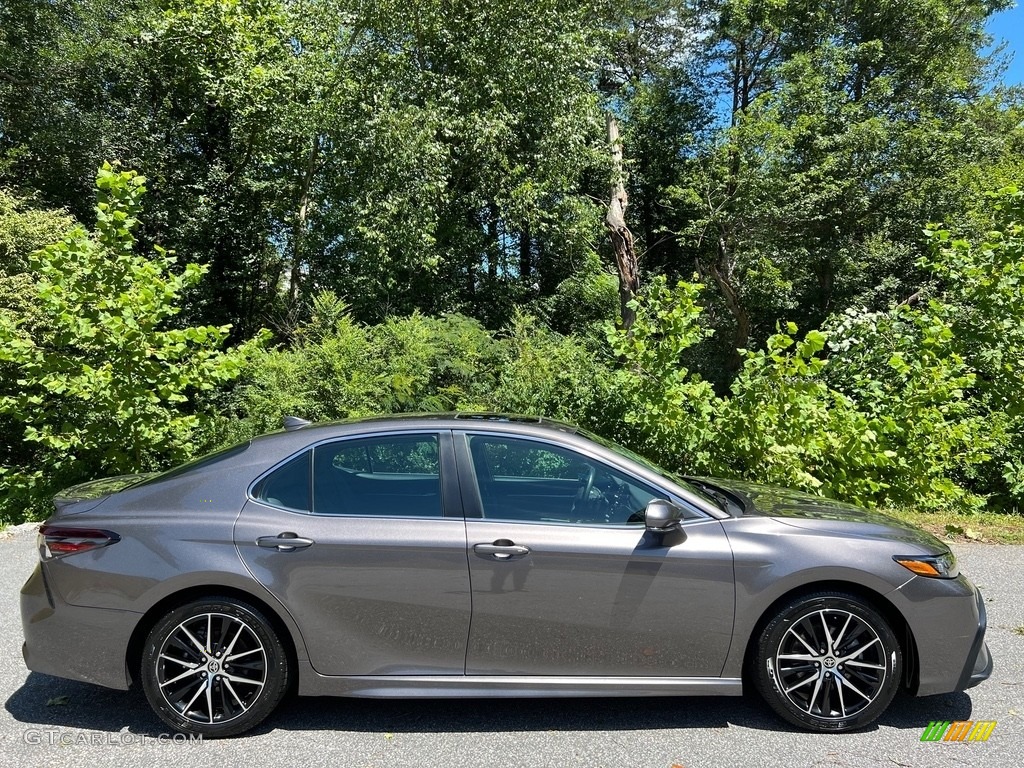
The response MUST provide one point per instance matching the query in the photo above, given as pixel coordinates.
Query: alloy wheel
(831, 664)
(211, 668)
(828, 661)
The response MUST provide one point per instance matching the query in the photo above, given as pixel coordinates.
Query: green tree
(844, 126)
(429, 158)
(23, 230)
(458, 148)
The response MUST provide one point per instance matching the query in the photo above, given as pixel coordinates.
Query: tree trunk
(525, 254)
(301, 216)
(721, 273)
(493, 246)
(619, 234)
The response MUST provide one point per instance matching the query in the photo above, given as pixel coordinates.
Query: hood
(803, 510)
(85, 496)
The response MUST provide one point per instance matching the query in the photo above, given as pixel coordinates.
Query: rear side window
(288, 485)
(392, 476)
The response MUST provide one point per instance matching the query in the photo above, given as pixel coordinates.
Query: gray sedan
(479, 555)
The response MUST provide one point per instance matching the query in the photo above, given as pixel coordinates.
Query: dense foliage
(100, 382)
(416, 200)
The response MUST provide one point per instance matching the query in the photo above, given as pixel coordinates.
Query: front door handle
(502, 549)
(284, 542)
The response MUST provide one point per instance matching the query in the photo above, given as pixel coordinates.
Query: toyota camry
(480, 555)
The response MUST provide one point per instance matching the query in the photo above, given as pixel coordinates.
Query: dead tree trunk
(619, 234)
(301, 217)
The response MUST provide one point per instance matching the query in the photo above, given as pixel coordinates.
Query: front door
(567, 581)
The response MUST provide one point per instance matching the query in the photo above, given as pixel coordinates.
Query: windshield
(671, 476)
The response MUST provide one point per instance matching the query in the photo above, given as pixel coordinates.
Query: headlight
(934, 566)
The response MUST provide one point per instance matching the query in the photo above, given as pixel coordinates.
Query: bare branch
(13, 80)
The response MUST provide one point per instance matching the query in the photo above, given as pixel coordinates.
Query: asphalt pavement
(47, 721)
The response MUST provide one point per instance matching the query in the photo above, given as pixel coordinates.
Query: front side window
(392, 476)
(539, 482)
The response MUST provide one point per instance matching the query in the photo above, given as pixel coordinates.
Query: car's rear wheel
(828, 662)
(214, 667)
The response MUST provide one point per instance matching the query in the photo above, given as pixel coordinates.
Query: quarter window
(288, 485)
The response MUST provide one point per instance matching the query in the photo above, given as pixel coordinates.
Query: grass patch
(988, 527)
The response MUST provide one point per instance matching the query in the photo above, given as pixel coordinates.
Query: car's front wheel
(214, 667)
(828, 662)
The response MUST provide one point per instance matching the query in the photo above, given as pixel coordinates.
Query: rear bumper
(86, 644)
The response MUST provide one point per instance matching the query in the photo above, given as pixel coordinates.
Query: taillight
(58, 541)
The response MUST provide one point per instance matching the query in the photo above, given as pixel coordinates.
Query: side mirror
(662, 516)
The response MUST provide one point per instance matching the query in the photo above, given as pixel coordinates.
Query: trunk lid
(86, 496)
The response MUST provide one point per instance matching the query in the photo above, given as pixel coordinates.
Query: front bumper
(978, 666)
(947, 620)
(87, 644)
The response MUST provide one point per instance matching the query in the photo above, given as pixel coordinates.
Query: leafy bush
(103, 385)
(902, 369)
(589, 295)
(919, 405)
(565, 377)
(982, 284)
(894, 426)
(341, 369)
(783, 424)
(23, 230)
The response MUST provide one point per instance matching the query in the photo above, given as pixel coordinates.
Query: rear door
(363, 541)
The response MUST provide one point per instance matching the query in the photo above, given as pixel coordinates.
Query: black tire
(214, 667)
(828, 662)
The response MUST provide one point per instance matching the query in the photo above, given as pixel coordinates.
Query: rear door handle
(502, 549)
(284, 542)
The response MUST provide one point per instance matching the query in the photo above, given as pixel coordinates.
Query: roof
(436, 419)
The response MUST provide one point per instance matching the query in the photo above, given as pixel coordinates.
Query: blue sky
(1009, 26)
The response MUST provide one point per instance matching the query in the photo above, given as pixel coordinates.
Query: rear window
(203, 462)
